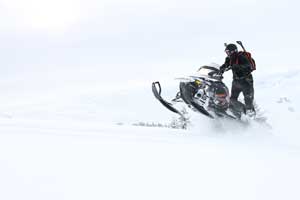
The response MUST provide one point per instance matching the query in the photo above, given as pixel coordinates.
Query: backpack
(249, 57)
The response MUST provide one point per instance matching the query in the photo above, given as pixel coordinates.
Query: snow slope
(76, 140)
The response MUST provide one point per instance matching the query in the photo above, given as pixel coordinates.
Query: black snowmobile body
(204, 93)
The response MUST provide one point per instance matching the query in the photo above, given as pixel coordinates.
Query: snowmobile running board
(156, 89)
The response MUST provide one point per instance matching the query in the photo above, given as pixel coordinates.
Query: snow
(79, 142)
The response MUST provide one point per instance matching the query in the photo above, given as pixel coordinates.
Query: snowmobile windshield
(207, 71)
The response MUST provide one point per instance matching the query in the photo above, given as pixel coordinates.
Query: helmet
(231, 49)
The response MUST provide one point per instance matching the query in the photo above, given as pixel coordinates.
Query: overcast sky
(71, 34)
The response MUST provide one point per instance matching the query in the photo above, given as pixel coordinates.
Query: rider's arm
(226, 64)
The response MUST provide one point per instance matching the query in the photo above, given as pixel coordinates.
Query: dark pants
(246, 86)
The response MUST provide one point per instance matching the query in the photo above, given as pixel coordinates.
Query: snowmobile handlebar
(217, 74)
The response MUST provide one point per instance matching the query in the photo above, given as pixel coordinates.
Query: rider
(242, 77)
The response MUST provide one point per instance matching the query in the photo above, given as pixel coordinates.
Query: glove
(222, 69)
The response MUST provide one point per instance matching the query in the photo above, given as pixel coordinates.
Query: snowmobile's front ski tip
(156, 89)
(183, 120)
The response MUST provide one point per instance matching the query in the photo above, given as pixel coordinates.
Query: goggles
(229, 53)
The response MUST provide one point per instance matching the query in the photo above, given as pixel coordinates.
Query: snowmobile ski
(156, 89)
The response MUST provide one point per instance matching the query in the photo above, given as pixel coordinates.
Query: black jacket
(240, 66)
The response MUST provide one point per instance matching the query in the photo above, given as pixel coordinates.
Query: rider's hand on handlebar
(221, 71)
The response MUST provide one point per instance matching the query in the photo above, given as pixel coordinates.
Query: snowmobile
(204, 93)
